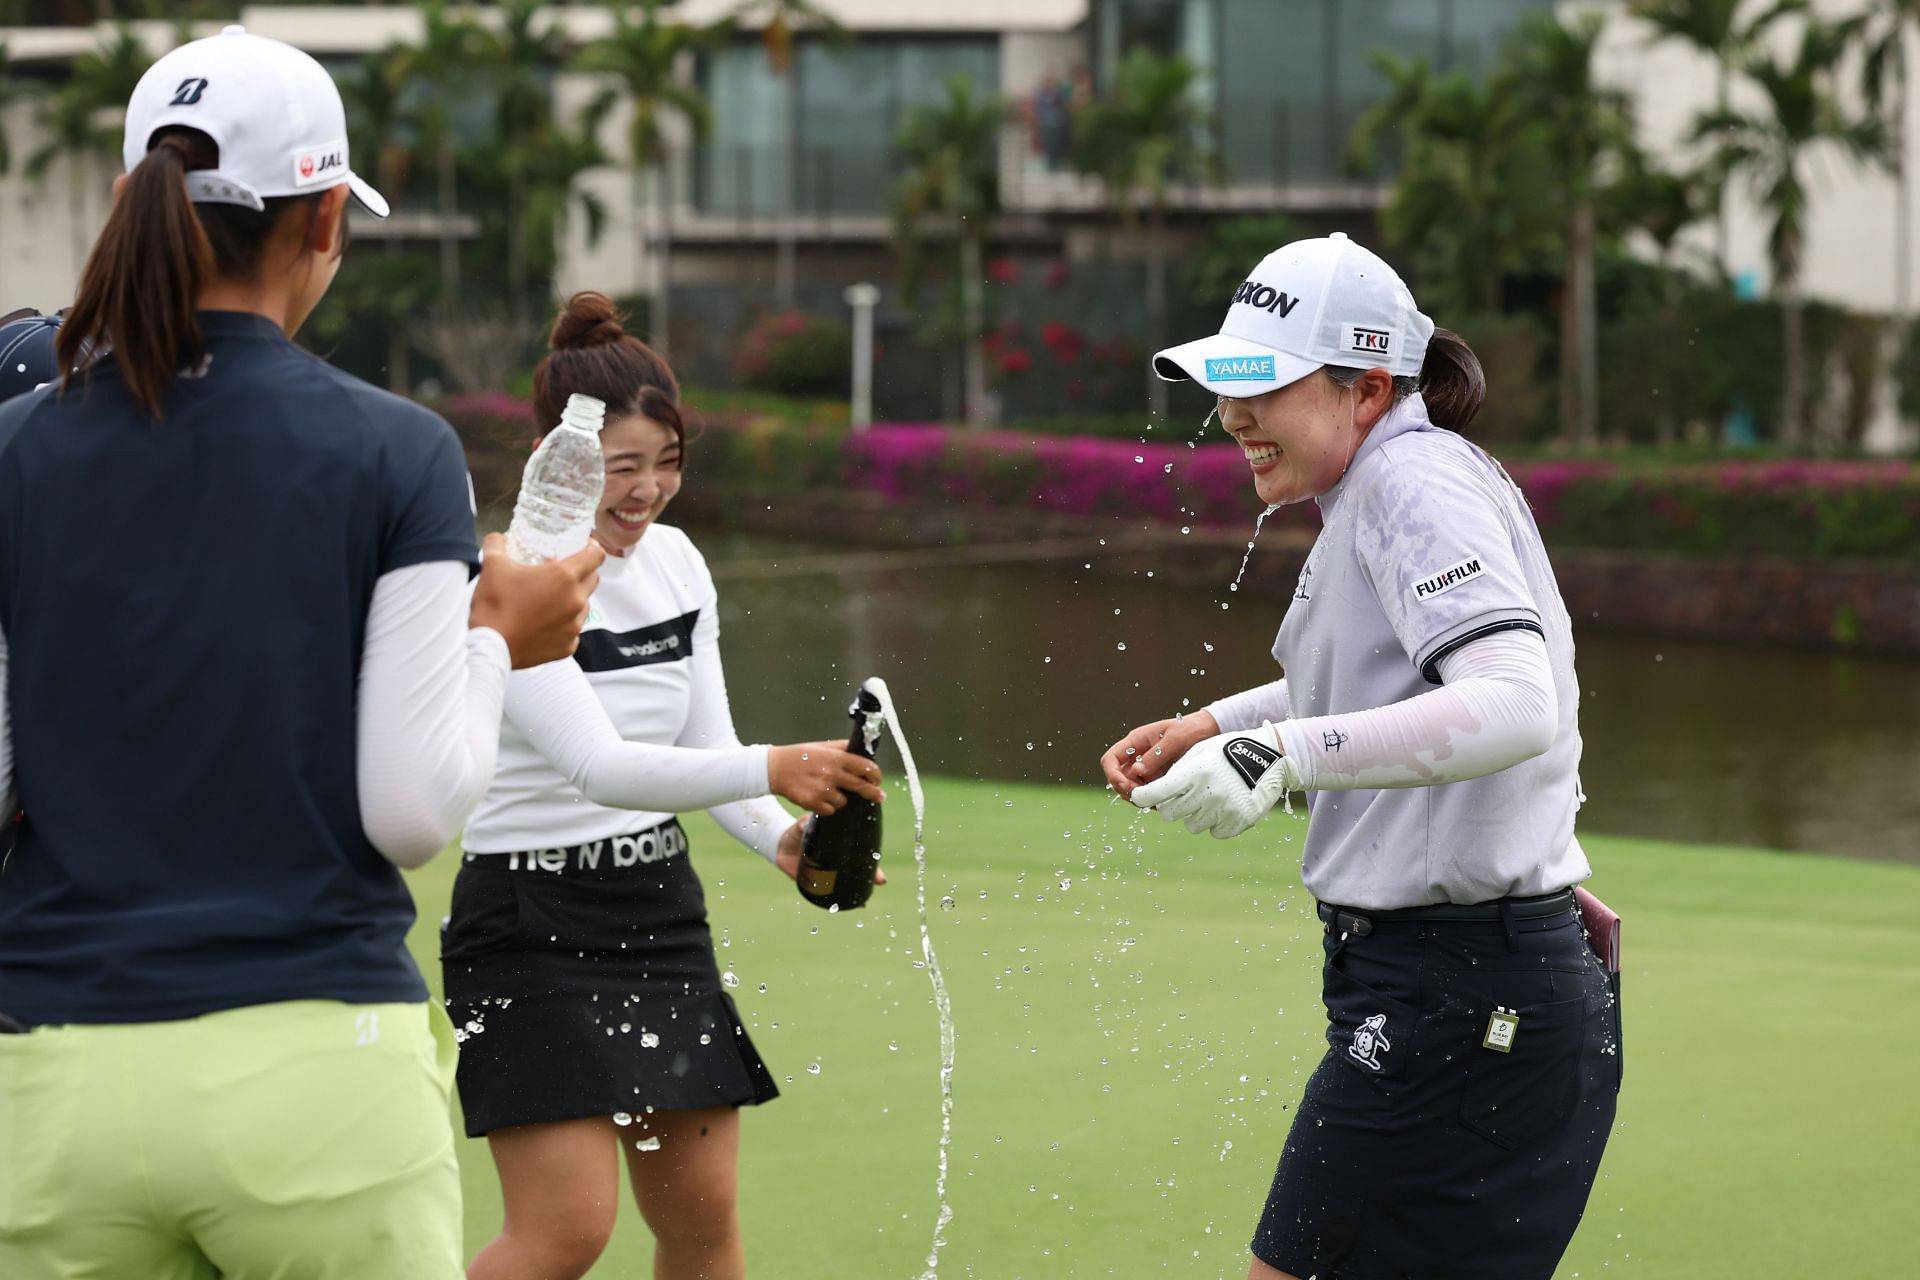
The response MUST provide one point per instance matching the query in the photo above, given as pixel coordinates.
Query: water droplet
(1122, 646)
(622, 1119)
(648, 1040)
(893, 1046)
(813, 1068)
(763, 988)
(625, 1027)
(946, 903)
(705, 1038)
(1139, 457)
(731, 978)
(647, 1144)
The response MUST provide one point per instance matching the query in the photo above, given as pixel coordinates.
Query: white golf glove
(1225, 784)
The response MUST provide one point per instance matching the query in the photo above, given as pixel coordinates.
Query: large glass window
(850, 104)
(1297, 75)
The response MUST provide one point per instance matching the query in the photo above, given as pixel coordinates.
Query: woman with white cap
(245, 681)
(1428, 707)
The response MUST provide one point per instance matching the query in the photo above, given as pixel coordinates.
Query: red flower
(1057, 276)
(1016, 362)
(1003, 271)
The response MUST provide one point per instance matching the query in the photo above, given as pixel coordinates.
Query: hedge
(1864, 509)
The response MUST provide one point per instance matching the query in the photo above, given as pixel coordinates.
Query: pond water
(1029, 671)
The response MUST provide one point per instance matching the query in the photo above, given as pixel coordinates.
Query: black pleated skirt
(582, 982)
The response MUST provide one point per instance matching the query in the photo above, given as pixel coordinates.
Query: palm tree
(1662, 204)
(1770, 148)
(947, 150)
(643, 54)
(85, 120)
(1885, 81)
(1713, 28)
(515, 57)
(431, 75)
(1473, 202)
(1147, 134)
(780, 23)
(1550, 67)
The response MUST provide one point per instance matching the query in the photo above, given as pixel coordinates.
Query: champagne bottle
(839, 852)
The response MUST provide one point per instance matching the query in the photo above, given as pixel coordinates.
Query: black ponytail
(1451, 380)
(139, 295)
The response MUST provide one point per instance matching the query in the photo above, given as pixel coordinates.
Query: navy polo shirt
(184, 603)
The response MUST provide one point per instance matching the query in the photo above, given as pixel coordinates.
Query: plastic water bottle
(561, 487)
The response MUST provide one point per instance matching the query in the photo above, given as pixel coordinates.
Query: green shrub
(792, 353)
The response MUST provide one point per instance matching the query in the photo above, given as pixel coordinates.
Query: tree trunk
(1585, 335)
(662, 262)
(1156, 305)
(517, 246)
(1792, 432)
(1721, 235)
(785, 251)
(449, 233)
(973, 318)
(1902, 208)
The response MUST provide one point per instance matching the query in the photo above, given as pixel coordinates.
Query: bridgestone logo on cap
(1251, 760)
(1368, 342)
(1447, 579)
(1241, 369)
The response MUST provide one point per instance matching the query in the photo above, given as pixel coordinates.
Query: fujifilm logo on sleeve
(1250, 760)
(1447, 579)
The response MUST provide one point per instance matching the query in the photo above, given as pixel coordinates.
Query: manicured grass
(1137, 1010)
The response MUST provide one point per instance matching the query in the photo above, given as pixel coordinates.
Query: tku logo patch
(1367, 341)
(1241, 369)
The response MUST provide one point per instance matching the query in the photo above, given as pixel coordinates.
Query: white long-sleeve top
(1494, 709)
(633, 729)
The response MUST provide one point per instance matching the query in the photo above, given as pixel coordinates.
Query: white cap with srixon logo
(1308, 304)
(273, 111)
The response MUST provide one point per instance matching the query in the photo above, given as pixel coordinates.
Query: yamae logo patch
(1251, 760)
(1447, 579)
(1367, 341)
(1241, 369)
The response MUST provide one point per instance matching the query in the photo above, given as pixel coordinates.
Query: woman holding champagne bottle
(578, 959)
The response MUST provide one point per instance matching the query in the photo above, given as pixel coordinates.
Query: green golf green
(1136, 1010)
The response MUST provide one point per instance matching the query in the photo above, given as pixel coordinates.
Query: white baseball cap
(272, 110)
(1308, 304)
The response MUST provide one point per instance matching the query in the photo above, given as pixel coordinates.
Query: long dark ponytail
(139, 293)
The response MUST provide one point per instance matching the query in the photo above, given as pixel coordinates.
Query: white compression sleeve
(757, 820)
(429, 711)
(564, 719)
(6, 739)
(1496, 709)
(1251, 708)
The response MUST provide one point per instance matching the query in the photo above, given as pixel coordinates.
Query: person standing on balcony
(243, 681)
(1429, 708)
(578, 960)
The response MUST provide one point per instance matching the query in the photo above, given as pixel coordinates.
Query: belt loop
(1506, 924)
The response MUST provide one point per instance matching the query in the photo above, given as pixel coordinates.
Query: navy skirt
(582, 982)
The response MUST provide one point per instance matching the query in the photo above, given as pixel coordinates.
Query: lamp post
(862, 297)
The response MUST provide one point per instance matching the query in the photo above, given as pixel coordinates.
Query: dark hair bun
(589, 320)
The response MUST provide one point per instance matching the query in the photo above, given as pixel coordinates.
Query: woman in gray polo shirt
(1455, 1126)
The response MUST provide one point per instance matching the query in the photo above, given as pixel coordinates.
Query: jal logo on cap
(1366, 341)
(322, 164)
(1241, 369)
